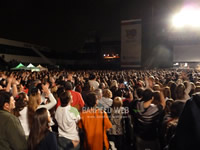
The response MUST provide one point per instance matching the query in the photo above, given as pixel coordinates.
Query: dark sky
(65, 25)
(60, 25)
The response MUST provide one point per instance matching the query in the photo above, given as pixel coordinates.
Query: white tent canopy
(30, 66)
(33, 68)
(42, 68)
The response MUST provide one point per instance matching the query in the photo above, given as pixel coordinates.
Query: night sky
(60, 25)
(66, 25)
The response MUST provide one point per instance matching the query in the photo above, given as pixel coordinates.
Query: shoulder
(160, 107)
(49, 138)
(9, 116)
(74, 111)
(50, 134)
(9, 119)
(59, 110)
(109, 99)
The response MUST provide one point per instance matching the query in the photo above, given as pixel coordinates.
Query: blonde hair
(34, 101)
(113, 83)
(156, 87)
(167, 92)
(107, 93)
(117, 102)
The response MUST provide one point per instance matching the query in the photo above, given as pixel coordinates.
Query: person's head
(139, 92)
(3, 83)
(102, 85)
(92, 77)
(147, 95)
(117, 102)
(65, 98)
(87, 87)
(173, 90)
(68, 85)
(156, 98)
(151, 81)
(107, 93)
(156, 87)
(169, 102)
(39, 128)
(7, 101)
(36, 82)
(20, 88)
(21, 101)
(140, 83)
(167, 92)
(91, 99)
(113, 84)
(60, 90)
(180, 91)
(98, 93)
(34, 100)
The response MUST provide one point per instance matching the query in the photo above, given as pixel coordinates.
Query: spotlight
(188, 16)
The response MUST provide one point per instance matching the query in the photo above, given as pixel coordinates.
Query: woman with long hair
(41, 138)
(35, 101)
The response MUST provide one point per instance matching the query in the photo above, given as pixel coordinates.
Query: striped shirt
(146, 120)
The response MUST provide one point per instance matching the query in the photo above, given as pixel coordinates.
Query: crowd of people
(100, 109)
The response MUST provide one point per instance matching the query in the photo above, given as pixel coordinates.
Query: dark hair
(4, 98)
(60, 90)
(3, 83)
(180, 91)
(173, 90)
(91, 99)
(68, 85)
(157, 99)
(65, 98)
(20, 103)
(39, 128)
(39, 86)
(147, 95)
(92, 77)
(34, 91)
(139, 92)
(176, 109)
(86, 86)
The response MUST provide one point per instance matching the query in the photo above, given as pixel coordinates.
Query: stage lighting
(188, 16)
(186, 64)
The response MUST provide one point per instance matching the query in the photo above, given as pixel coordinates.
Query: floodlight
(188, 16)
(186, 64)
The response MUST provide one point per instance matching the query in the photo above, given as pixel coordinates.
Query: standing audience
(12, 135)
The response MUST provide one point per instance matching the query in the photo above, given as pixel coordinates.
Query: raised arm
(52, 99)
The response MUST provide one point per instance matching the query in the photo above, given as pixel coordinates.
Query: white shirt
(24, 120)
(67, 117)
(106, 102)
(94, 83)
(49, 105)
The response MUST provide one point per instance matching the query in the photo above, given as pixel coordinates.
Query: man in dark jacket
(187, 135)
(12, 135)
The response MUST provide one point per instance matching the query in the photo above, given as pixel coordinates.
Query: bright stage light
(186, 64)
(188, 16)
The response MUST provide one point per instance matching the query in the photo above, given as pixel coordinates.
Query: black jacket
(187, 136)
